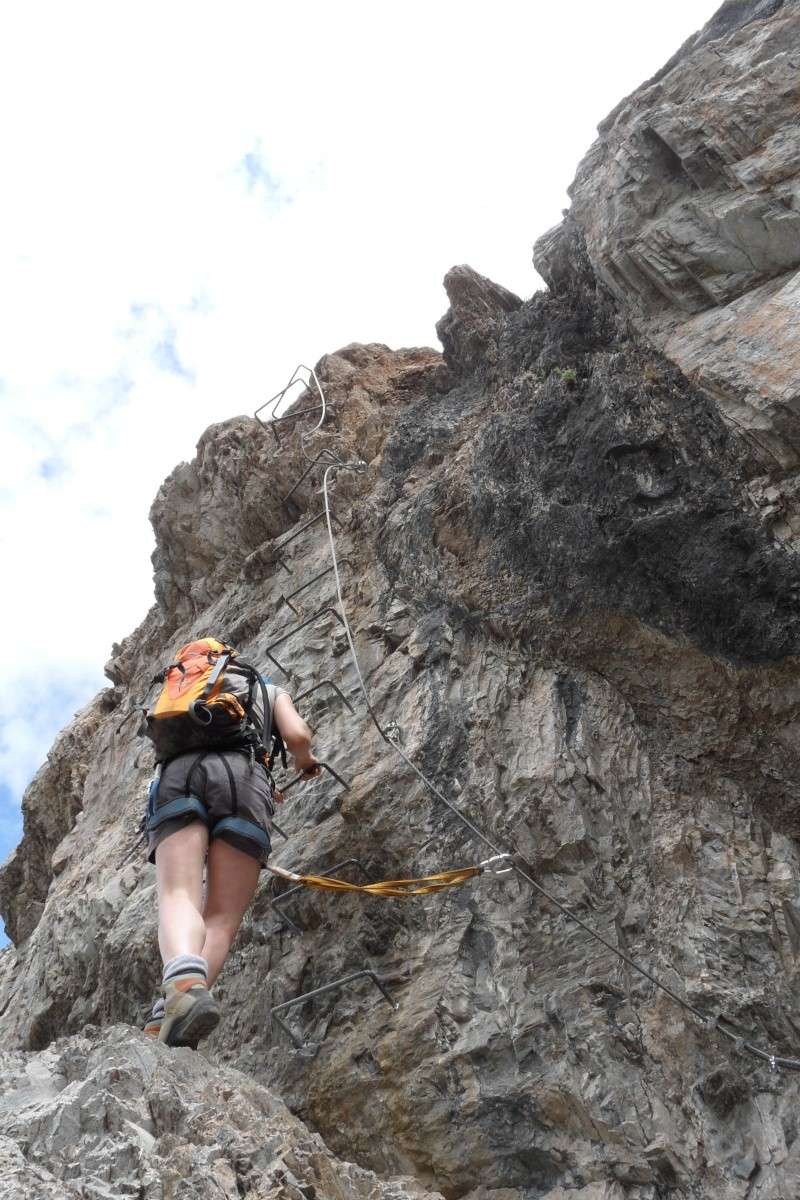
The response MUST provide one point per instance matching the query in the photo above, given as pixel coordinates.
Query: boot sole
(199, 1022)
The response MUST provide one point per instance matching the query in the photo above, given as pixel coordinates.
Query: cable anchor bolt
(491, 864)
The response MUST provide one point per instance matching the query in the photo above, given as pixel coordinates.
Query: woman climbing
(210, 809)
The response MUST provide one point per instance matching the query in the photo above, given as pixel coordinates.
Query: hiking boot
(152, 1026)
(190, 1013)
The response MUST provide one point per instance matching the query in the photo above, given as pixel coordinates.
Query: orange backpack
(209, 698)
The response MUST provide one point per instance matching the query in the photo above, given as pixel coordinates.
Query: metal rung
(287, 417)
(274, 825)
(293, 416)
(280, 666)
(288, 599)
(275, 400)
(320, 991)
(325, 451)
(291, 632)
(284, 896)
(296, 534)
(325, 683)
(266, 551)
(326, 767)
(295, 628)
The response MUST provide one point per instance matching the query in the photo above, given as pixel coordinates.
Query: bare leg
(232, 880)
(179, 871)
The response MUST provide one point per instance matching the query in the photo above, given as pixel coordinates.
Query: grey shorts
(224, 789)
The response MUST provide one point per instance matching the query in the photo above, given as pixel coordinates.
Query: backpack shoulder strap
(266, 732)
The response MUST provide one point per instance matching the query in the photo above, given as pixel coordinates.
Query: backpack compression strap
(219, 667)
(266, 732)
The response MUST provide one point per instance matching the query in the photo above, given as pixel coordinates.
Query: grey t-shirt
(273, 691)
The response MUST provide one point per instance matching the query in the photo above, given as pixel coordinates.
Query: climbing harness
(511, 860)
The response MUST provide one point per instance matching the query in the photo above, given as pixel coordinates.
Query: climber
(211, 806)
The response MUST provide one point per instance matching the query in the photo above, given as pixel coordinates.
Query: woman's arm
(296, 735)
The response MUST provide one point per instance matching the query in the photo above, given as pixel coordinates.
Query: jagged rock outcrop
(689, 207)
(575, 618)
(470, 329)
(53, 802)
(112, 1114)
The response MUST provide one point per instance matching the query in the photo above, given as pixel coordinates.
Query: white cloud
(196, 198)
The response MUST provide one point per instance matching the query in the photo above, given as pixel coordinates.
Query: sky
(197, 197)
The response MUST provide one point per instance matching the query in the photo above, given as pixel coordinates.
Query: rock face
(576, 608)
(689, 204)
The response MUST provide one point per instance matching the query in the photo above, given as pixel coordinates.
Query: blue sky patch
(151, 322)
(10, 833)
(165, 356)
(24, 745)
(260, 178)
(52, 467)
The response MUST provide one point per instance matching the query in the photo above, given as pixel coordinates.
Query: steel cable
(773, 1060)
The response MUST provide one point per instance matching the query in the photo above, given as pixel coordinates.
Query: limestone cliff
(570, 569)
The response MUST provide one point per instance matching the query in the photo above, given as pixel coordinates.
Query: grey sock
(185, 966)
